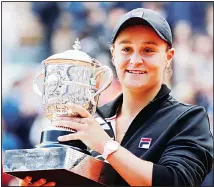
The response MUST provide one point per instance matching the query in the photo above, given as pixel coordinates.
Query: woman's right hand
(41, 182)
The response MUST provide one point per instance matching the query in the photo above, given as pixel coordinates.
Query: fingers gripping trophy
(68, 79)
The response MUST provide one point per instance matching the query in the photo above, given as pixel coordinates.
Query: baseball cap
(144, 16)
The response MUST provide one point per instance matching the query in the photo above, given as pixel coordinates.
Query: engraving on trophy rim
(93, 64)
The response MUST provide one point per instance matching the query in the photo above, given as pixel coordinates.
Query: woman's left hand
(88, 129)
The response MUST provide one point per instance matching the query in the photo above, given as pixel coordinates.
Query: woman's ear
(170, 55)
(112, 53)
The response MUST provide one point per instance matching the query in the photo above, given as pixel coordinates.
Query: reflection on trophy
(69, 78)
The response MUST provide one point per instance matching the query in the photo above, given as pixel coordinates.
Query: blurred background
(32, 31)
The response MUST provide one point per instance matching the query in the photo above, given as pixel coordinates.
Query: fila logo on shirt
(145, 143)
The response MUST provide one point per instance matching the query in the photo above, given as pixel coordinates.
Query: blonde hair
(168, 71)
(167, 74)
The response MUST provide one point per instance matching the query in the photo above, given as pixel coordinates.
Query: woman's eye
(126, 49)
(148, 50)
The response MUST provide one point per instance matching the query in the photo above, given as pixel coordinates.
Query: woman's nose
(136, 59)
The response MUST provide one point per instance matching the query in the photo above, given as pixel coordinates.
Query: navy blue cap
(144, 16)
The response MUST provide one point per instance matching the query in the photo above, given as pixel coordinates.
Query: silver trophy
(68, 79)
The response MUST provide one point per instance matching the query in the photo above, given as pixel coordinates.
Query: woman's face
(140, 57)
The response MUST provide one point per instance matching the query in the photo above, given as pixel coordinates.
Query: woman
(159, 141)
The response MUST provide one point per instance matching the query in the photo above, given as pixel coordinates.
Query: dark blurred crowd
(33, 31)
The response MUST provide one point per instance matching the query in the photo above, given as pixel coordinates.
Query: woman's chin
(135, 86)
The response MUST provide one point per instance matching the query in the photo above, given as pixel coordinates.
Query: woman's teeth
(136, 71)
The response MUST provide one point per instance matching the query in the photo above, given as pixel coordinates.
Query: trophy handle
(35, 80)
(107, 70)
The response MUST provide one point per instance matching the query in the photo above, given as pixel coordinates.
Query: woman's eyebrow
(125, 42)
(150, 42)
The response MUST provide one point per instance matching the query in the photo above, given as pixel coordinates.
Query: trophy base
(63, 165)
(49, 138)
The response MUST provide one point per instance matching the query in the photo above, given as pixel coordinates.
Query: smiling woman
(158, 141)
(140, 57)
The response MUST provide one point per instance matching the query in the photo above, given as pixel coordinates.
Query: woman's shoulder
(189, 116)
(186, 108)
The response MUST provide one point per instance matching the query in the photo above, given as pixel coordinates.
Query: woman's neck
(134, 102)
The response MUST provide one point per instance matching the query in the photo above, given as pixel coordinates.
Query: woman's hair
(167, 74)
(168, 71)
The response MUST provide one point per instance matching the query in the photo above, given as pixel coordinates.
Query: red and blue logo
(145, 143)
